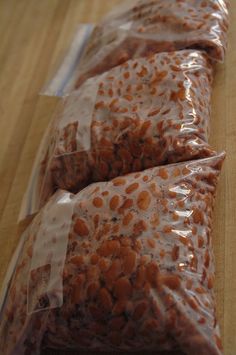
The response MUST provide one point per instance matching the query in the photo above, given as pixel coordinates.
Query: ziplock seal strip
(61, 82)
(30, 202)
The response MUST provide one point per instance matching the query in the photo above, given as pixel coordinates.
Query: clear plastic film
(144, 113)
(31, 200)
(151, 26)
(60, 83)
(138, 267)
(34, 282)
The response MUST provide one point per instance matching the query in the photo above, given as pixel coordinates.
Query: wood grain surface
(33, 37)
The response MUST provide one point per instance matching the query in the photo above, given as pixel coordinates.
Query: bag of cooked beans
(138, 29)
(124, 265)
(143, 113)
(151, 26)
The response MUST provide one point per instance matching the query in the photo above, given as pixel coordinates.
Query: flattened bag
(153, 26)
(123, 265)
(144, 113)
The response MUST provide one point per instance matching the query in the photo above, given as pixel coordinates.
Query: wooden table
(34, 34)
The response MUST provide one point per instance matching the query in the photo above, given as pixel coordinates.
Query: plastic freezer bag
(122, 265)
(144, 113)
(151, 26)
